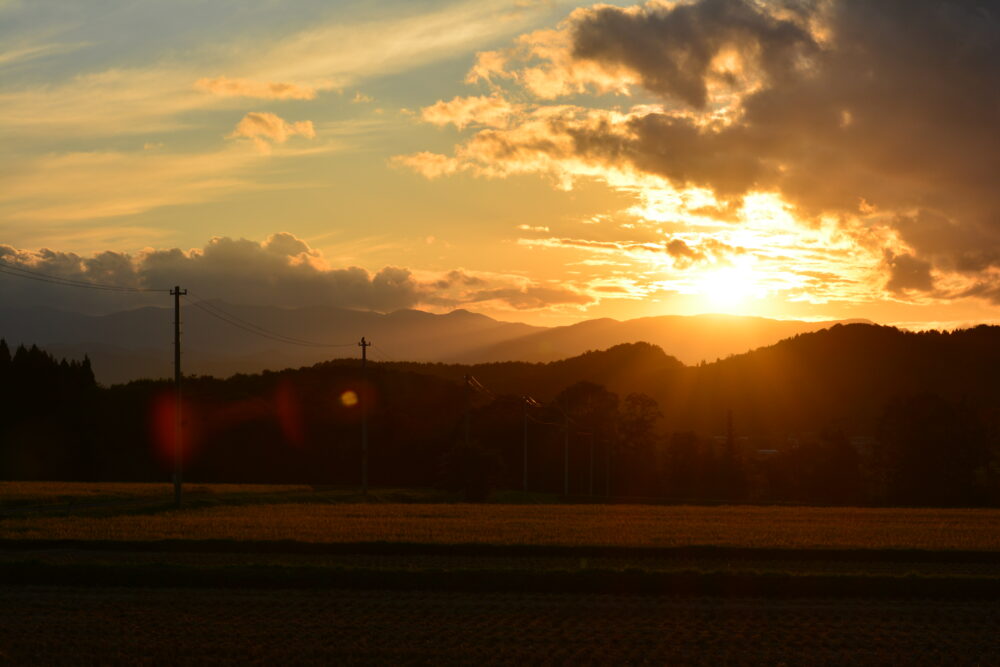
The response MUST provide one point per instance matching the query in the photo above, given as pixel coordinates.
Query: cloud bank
(283, 270)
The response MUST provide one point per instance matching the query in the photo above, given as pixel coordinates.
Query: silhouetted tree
(932, 449)
(686, 463)
(638, 466)
(593, 414)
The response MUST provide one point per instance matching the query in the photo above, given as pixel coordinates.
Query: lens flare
(289, 412)
(349, 398)
(162, 420)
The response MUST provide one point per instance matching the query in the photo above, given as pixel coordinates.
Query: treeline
(852, 415)
(48, 428)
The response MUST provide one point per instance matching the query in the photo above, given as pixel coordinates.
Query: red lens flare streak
(163, 424)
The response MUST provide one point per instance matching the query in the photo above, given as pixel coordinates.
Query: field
(267, 574)
(288, 514)
(135, 625)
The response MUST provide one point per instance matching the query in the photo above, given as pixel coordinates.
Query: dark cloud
(899, 105)
(530, 297)
(673, 51)
(107, 267)
(279, 271)
(970, 247)
(683, 254)
(459, 278)
(886, 110)
(906, 272)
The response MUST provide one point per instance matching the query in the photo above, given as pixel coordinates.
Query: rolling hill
(137, 343)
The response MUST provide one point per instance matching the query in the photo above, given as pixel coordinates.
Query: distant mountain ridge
(137, 343)
(689, 338)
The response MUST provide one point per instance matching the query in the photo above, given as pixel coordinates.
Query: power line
(539, 421)
(382, 351)
(233, 320)
(30, 274)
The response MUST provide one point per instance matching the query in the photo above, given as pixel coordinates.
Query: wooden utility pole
(362, 390)
(591, 464)
(177, 293)
(524, 403)
(527, 402)
(566, 456)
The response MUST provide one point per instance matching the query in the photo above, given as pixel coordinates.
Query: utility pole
(524, 403)
(566, 456)
(527, 402)
(177, 293)
(730, 436)
(468, 410)
(607, 471)
(364, 345)
(591, 464)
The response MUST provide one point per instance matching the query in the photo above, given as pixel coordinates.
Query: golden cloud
(262, 127)
(492, 111)
(427, 164)
(266, 90)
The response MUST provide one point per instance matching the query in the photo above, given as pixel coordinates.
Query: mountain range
(221, 339)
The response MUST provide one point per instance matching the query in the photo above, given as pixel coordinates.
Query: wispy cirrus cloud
(297, 65)
(80, 186)
(31, 51)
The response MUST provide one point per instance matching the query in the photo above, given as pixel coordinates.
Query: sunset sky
(544, 162)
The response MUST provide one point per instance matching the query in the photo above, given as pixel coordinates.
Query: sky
(544, 162)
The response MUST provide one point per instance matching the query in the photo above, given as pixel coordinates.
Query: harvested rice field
(263, 575)
(607, 525)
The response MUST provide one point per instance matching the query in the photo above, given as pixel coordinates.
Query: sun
(728, 289)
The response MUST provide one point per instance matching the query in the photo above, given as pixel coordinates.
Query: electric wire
(205, 302)
(206, 306)
(31, 274)
(240, 323)
(539, 421)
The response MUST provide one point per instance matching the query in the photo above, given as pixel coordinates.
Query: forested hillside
(856, 413)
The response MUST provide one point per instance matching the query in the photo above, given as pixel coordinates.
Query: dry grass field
(611, 525)
(21, 494)
(274, 574)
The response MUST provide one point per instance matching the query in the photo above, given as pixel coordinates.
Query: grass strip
(629, 582)
(693, 552)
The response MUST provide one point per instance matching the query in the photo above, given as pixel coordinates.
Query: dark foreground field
(112, 574)
(70, 625)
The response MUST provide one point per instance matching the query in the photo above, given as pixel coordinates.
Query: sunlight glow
(728, 289)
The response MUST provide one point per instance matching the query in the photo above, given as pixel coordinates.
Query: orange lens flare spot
(349, 398)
